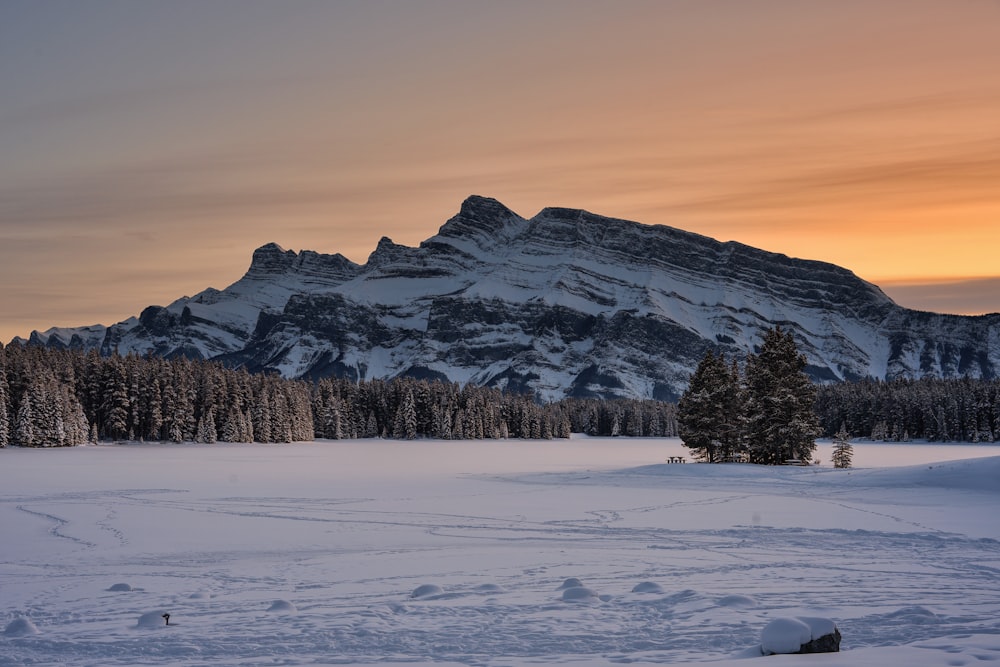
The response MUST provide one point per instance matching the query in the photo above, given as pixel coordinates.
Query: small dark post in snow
(166, 617)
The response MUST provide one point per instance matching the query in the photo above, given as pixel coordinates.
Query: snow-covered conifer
(709, 411)
(114, 406)
(5, 425)
(842, 449)
(780, 421)
(24, 425)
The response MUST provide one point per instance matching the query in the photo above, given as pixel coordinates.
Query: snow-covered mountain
(564, 303)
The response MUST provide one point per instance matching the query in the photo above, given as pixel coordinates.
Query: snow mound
(572, 582)
(489, 588)
(738, 601)
(426, 591)
(580, 594)
(20, 627)
(968, 475)
(282, 606)
(647, 587)
(152, 619)
(787, 635)
(120, 588)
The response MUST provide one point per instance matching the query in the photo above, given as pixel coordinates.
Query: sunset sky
(146, 148)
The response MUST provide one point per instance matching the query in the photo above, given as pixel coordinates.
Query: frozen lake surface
(429, 552)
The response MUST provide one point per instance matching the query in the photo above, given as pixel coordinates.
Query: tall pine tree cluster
(763, 415)
(710, 413)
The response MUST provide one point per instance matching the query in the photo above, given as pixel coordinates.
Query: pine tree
(781, 424)
(333, 425)
(205, 431)
(708, 413)
(24, 425)
(281, 414)
(842, 449)
(409, 411)
(77, 427)
(4, 403)
(115, 404)
(371, 425)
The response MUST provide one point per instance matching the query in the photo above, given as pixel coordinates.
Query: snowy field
(377, 552)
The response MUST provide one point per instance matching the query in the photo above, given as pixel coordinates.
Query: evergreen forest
(51, 398)
(952, 410)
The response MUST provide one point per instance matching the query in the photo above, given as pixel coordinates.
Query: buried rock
(803, 634)
(826, 644)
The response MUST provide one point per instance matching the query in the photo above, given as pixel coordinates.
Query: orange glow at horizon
(146, 151)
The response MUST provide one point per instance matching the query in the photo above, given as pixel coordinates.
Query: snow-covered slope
(564, 303)
(213, 322)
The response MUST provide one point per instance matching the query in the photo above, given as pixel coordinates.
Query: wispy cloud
(966, 176)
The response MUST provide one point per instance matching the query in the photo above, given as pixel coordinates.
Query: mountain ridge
(566, 302)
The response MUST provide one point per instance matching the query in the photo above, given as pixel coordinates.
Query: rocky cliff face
(564, 303)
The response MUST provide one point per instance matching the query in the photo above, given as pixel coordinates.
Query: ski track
(912, 586)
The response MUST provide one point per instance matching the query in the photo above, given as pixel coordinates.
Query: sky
(146, 148)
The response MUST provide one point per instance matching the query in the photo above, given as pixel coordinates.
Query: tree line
(52, 398)
(757, 412)
(953, 410)
(405, 408)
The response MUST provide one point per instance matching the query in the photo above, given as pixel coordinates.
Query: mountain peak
(483, 221)
(477, 205)
(386, 251)
(270, 259)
